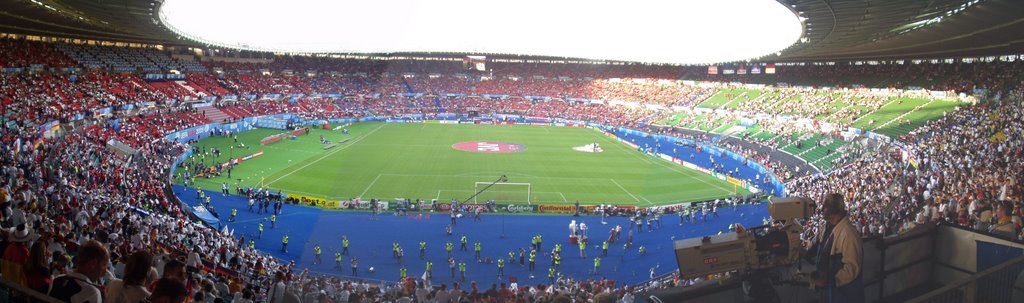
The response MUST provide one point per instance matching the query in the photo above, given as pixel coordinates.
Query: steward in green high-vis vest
(344, 246)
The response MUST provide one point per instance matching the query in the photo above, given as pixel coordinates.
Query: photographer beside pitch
(839, 255)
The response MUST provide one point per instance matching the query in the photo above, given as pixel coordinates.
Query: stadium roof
(834, 30)
(650, 31)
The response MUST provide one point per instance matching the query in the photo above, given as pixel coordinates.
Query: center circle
(489, 147)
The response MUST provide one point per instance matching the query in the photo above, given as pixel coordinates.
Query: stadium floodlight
(652, 31)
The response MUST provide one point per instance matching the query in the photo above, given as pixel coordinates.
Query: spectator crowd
(71, 195)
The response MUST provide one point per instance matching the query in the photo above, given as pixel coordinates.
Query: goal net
(505, 193)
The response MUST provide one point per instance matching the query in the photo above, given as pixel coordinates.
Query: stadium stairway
(214, 114)
(408, 87)
(195, 90)
(437, 102)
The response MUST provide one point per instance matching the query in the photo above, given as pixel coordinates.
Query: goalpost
(505, 193)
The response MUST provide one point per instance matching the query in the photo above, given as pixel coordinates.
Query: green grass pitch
(417, 161)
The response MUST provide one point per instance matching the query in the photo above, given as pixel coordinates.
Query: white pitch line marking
(624, 189)
(327, 155)
(370, 186)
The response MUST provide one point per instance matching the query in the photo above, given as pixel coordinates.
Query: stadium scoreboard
(478, 63)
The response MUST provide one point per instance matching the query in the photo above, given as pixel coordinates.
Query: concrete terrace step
(214, 114)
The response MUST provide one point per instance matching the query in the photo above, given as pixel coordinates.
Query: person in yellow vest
(261, 230)
(337, 259)
(501, 268)
(252, 244)
(207, 200)
(540, 240)
(234, 212)
(476, 248)
(394, 249)
(316, 252)
(558, 261)
(551, 275)
(402, 273)
(344, 245)
(643, 250)
(464, 241)
(430, 267)
(448, 248)
(273, 221)
(597, 265)
(462, 270)
(604, 249)
(423, 249)
(284, 244)
(533, 259)
(583, 249)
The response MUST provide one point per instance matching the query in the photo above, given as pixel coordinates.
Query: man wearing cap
(839, 255)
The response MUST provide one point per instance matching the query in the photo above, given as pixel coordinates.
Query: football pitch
(543, 165)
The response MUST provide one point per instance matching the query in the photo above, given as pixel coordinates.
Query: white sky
(662, 31)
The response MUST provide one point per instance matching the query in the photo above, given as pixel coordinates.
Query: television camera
(754, 253)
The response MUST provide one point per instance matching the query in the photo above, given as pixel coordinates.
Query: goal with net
(504, 193)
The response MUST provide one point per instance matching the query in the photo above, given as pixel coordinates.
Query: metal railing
(994, 285)
(10, 292)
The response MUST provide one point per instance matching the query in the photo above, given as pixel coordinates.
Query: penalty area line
(627, 192)
(370, 186)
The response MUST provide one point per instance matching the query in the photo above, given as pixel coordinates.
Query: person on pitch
(476, 249)
(355, 266)
(344, 245)
(501, 268)
(316, 252)
(462, 270)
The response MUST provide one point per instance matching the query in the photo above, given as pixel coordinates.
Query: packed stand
(964, 170)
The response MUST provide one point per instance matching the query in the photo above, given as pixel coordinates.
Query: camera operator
(839, 255)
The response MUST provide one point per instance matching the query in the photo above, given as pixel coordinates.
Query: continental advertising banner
(549, 208)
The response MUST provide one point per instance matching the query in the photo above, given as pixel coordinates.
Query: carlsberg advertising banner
(517, 208)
